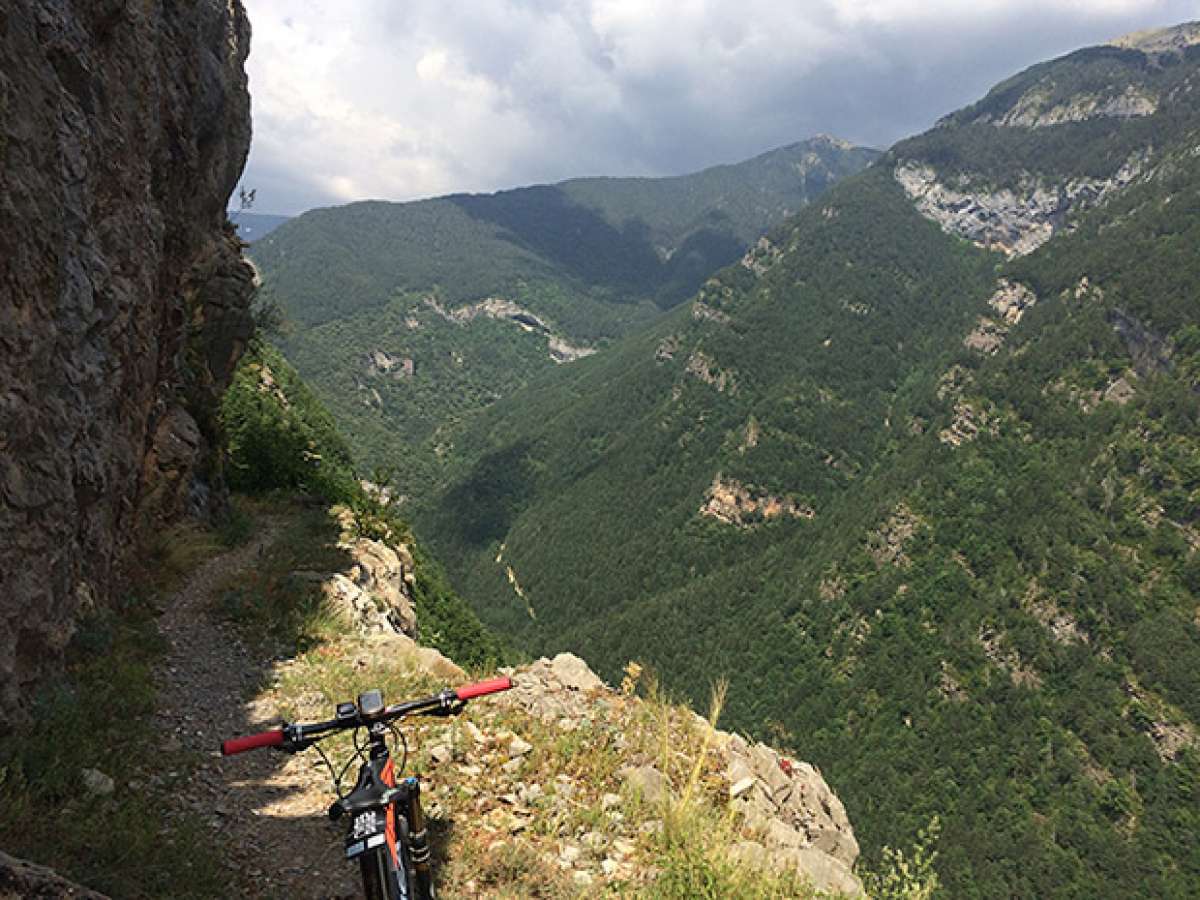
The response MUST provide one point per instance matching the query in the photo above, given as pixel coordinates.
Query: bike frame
(388, 835)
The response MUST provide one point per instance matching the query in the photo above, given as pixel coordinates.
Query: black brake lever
(451, 709)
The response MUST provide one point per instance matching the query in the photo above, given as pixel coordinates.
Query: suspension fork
(418, 835)
(412, 831)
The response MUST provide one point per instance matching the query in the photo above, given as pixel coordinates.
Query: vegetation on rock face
(992, 614)
(280, 437)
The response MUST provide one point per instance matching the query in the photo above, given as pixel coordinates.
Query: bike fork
(418, 837)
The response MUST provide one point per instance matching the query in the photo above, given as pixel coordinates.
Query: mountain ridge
(558, 271)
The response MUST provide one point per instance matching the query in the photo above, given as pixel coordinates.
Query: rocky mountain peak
(1173, 40)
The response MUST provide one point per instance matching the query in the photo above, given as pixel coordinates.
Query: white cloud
(373, 98)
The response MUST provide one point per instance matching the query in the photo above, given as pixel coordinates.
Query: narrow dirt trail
(265, 808)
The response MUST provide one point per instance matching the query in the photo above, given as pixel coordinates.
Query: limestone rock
(1014, 221)
(733, 503)
(1162, 41)
(572, 672)
(1036, 109)
(798, 823)
(969, 422)
(123, 294)
(987, 336)
(646, 782)
(703, 367)
(790, 801)
(518, 747)
(562, 349)
(1120, 392)
(1011, 300)
(825, 872)
(888, 544)
(373, 594)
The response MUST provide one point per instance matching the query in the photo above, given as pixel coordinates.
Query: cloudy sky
(402, 99)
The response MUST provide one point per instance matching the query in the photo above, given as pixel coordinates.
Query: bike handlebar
(468, 691)
(293, 737)
(271, 738)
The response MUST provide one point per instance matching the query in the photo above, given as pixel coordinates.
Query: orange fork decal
(389, 778)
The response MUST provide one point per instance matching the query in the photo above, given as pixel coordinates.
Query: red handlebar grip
(252, 742)
(467, 691)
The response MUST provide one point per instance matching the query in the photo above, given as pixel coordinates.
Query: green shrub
(279, 434)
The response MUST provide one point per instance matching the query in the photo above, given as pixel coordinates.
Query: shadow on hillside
(546, 221)
(481, 508)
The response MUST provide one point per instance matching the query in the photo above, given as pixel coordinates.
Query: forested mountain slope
(407, 317)
(921, 475)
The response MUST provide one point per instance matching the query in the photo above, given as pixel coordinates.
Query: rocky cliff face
(123, 295)
(1012, 221)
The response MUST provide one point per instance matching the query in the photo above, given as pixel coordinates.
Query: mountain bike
(386, 831)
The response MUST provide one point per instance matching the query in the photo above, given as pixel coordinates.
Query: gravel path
(266, 808)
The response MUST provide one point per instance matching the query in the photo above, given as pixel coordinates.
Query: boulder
(572, 672)
(646, 782)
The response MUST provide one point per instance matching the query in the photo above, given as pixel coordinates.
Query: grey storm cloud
(378, 99)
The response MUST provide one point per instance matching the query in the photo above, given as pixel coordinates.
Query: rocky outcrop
(373, 594)
(790, 819)
(667, 348)
(704, 368)
(702, 312)
(889, 543)
(380, 363)
(730, 501)
(1013, 220)
(996, 648)
(123, 294)
(760, 258)
(561, 349)
(1010, 300)
(987, 336)
(797, 819)
(969, 422)
(19, 878)
(1167, 727)
(1037, 108)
